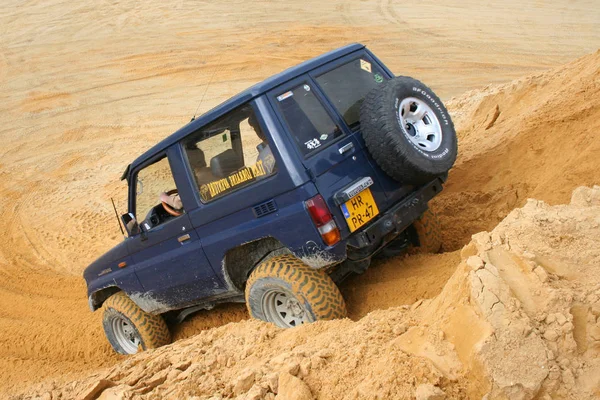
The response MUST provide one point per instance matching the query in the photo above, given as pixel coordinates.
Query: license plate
(360, 209)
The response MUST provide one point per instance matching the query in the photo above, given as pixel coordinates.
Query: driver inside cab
(172, 200)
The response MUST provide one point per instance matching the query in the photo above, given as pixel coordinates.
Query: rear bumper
(395, 220)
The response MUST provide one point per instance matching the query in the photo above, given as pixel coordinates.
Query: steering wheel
(170, 209)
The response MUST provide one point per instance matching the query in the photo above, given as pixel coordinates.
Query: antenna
(206, 87)
(117, 215)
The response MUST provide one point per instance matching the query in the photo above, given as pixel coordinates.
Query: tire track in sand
(44, 319)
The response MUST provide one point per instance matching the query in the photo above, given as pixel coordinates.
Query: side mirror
(131, 224)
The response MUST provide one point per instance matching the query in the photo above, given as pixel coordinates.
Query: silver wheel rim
(420, 124)
(283, 309)
(126, 335)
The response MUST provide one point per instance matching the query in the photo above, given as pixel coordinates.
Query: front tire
(129, 328)
(285, 291)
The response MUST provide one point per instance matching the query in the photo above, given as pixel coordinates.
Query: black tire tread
(312, 284)
(378, 131)
(153, 330)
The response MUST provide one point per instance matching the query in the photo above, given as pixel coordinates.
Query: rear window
(347, 85)
(310, 125)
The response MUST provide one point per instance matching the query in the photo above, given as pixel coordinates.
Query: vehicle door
(169, 260)
(345, 84)
(243, 186)
(330, 151)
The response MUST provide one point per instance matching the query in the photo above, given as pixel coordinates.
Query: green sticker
(224, 137)
(378, 78)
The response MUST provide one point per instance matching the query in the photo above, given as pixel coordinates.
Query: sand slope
(538, 136)
(87, 86)
(519, 318)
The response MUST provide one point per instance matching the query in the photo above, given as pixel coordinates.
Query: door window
(306, 118)
(155, 184)
(347, 85)
(229, 154)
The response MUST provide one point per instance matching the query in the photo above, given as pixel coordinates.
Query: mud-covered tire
(428, 232)
(128, 327)
(290, 278)
(408, 131)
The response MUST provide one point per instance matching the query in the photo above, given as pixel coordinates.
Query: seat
(225, 163)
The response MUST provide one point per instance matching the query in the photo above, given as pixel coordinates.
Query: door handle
(346, 147)
(183, 238)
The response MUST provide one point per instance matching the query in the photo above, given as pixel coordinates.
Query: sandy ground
(87, 86)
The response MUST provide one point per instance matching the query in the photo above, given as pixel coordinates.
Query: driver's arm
(172, 200)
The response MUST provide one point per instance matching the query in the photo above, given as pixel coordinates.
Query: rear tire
(408, 131)
(129, 328)
(429, 233)
(285, 291)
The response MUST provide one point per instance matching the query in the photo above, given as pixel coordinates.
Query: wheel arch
(240, 261)
(98, 297)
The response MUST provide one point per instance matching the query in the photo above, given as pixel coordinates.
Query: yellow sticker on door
(365, 65)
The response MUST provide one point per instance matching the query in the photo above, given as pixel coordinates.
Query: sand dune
(514, 314)
(87, 86)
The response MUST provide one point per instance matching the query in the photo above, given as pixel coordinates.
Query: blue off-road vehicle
(274, 197)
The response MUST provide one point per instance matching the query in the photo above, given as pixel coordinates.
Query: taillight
(323, 220)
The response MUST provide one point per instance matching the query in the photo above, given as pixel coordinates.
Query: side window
(229, 154)
(347, 85)
(307, 120)
(155, 184)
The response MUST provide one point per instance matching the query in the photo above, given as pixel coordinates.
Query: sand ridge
(534, 137)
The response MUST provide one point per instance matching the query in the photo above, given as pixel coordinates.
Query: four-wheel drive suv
(274, 197)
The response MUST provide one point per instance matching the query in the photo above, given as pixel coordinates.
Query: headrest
(224, 164)
(196, 157)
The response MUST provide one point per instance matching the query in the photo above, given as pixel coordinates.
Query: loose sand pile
(534, 137)
(519, 318)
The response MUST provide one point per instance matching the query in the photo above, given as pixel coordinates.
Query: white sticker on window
(285, 95)
(312, 144)
(365, 65)
(307, 88)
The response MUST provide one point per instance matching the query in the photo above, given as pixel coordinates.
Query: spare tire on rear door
(408, 131)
